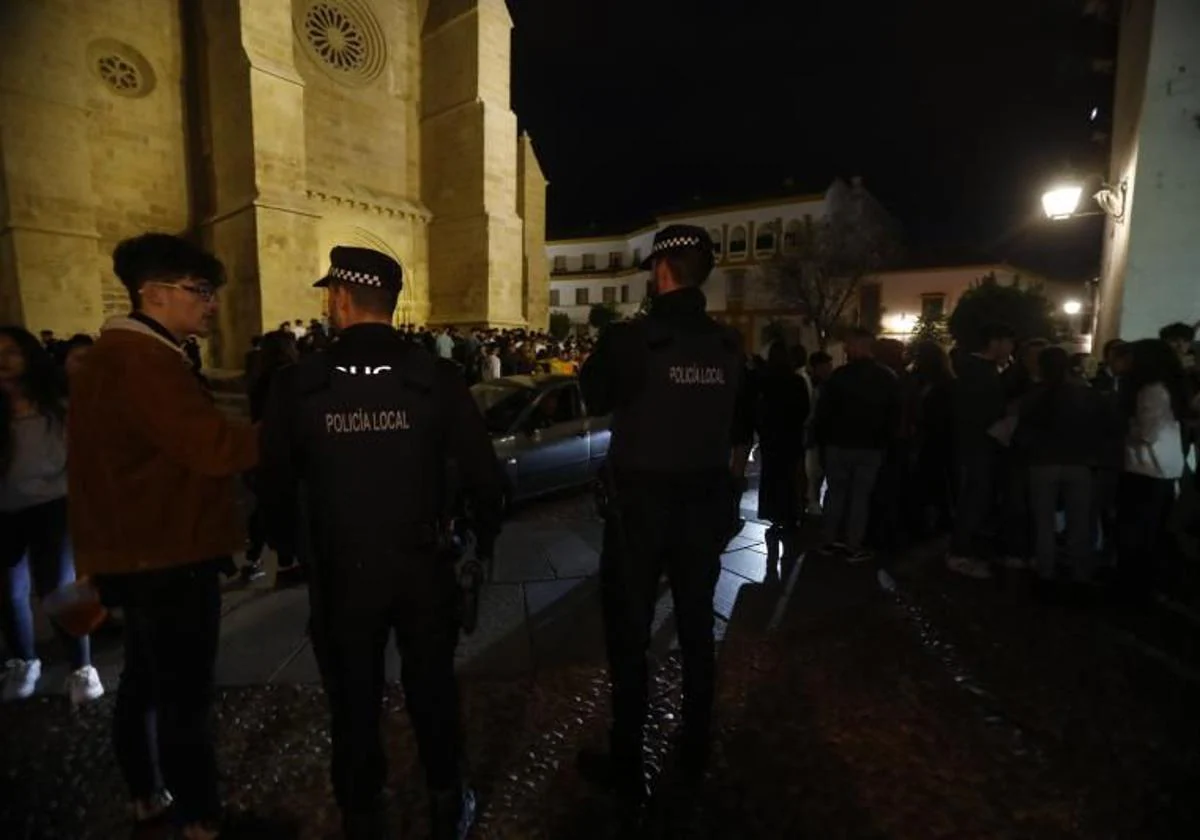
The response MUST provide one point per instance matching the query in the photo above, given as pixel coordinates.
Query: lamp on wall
(1062, 201)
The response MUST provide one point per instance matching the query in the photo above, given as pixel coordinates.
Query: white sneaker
(84, 686)
(21, 679)
(969, 567)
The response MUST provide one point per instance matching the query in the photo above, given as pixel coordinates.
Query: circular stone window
(343, 38)
(121, 68)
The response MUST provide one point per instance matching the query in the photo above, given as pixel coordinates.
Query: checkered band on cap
(360, 277)
(677, 242)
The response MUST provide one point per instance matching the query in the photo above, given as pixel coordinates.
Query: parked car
(543, 437)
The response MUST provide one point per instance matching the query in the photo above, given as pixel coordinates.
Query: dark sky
(955, 113)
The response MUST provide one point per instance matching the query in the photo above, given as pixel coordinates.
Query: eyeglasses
(205, 293)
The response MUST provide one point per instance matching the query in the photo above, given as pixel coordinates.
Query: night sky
(954, 113)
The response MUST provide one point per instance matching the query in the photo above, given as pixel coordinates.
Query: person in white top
(1153, 400)
(491, 364)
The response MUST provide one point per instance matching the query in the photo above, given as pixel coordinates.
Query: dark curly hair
(40, 384)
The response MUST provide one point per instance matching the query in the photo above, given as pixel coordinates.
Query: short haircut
(371, 299)
(996, 331)
(163, 258)
(1177, 332)
(1112, 345)
(690, 266)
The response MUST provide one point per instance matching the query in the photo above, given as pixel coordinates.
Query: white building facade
(586, 272)
(1150, 276)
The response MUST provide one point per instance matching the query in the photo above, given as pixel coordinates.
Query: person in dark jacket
(1113, 365)
(782, 409)
(275, 351)
(365, 435)
(928, 417)
(674, 383)
(1062, 431)
(858, 416)
(979, 407)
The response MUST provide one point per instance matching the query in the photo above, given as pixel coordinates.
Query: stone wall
(469, 165)
(233, 120)
(531, 206)
(92, 149)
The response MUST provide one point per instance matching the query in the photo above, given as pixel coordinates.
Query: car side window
(558, 405)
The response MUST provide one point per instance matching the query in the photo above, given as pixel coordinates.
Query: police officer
(361, 435)
(675, 386)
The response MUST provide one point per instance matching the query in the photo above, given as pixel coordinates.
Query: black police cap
(679, 238)
(363, 267)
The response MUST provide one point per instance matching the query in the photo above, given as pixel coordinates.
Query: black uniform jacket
(369, 438)
(616, 379)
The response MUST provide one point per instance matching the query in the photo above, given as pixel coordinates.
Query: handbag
(76, 608)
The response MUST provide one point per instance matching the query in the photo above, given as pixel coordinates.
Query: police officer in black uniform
(674, 383)
(360, 436)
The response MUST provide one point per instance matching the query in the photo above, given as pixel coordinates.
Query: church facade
(269, 130)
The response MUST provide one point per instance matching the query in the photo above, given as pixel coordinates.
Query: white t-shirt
(1154, 446)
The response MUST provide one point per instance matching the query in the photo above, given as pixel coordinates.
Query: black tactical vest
(682, 418)
(371, 438)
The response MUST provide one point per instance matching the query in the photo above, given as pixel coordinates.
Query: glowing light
(1062, 202)
(1095, 113)
(1072, 307)
(901, 323)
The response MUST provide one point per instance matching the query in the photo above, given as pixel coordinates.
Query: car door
(599, 436)
(555, 450)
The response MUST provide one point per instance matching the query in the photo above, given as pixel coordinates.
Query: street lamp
(1062, 201)
(1072, 307)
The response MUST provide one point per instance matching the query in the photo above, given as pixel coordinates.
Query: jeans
(851, 474)
(1074, 485)
(35, 554)
(172, 628)
(678, 530)
(976, 472)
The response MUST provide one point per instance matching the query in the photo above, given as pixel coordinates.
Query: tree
(560, 325)
(602, 314)
(1025, 309)
(931, 329)
(824, 262)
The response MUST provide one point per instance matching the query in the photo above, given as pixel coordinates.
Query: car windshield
(502, 403)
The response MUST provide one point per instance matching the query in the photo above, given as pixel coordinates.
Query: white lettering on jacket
(356, 422)
(355, 370)
(696, 375)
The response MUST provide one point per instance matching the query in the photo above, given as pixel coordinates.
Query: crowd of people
(1016, 451)
(481, 354)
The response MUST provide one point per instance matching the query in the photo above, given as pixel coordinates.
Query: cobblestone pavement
(851, 704)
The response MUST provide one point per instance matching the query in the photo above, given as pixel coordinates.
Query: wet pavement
(850, 704)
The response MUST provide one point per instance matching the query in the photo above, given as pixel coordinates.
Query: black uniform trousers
(677, 527)
(356, 607)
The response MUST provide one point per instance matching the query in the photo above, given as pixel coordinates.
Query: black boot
(452, 813)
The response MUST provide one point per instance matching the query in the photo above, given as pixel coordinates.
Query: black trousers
(164, 702)
(1144, 542)
(679, 530)
(355, 612)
